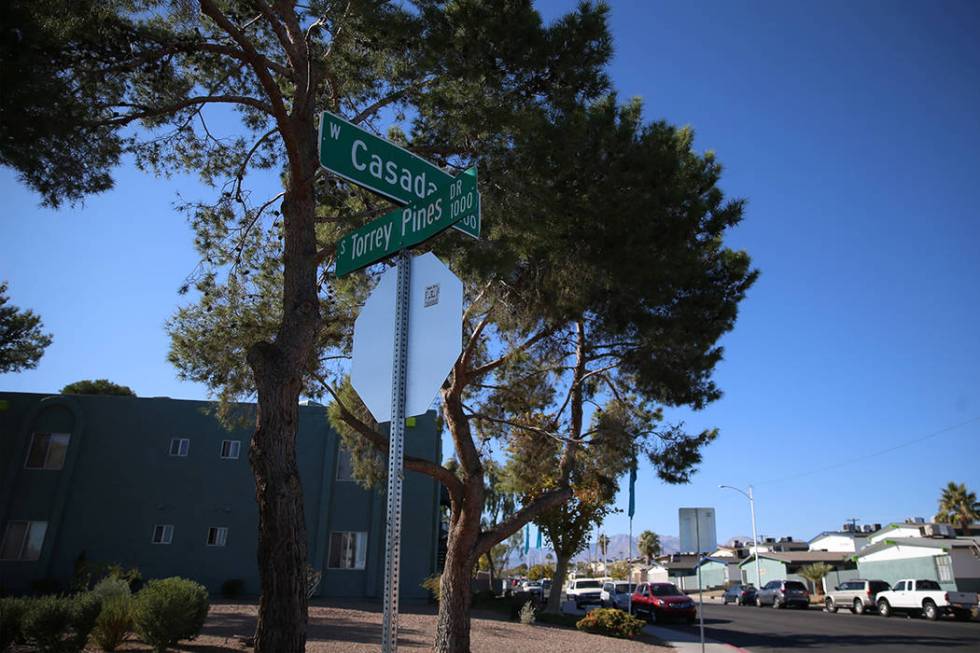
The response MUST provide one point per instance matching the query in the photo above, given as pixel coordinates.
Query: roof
(851, 534)
(796, 557)
(926, 542)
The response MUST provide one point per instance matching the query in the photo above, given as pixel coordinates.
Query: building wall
(119, 481)
(891, 568)
(900, 530)
(966, 569)
(838, 543)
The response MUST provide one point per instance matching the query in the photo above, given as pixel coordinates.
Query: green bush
(111, 587)
(611, 622)
(60, 624)
(169, 610)
(233, 588)
(114, 622)
(12, 612)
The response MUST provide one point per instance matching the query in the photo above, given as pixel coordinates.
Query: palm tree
(815, 574)
(958, 506)
(649, 545)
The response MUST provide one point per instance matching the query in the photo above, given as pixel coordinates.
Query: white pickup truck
(927, 597)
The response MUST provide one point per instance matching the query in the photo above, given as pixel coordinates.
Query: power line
(851, 461)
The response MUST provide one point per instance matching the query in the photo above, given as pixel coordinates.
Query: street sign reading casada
(381, 166)
(434, 339)
(410, 225)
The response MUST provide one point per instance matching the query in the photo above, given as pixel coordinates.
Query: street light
(755, 538)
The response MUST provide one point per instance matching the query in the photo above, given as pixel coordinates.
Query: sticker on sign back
(431, 295)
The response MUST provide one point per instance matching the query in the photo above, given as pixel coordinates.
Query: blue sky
(850, 128)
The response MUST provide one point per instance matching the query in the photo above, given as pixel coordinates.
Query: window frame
(167, 534)
(232, 444)
(29, 526)
(46, 458)
(221, 536)
(358, 535)
(180, 446)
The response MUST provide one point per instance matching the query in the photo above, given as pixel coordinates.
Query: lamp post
(755, 538)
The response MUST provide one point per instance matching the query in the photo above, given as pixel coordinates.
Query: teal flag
(527, 537)
(632, 489)
(539, 538)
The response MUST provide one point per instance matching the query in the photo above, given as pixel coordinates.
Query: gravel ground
(356, 628)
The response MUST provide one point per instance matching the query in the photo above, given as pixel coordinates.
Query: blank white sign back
(695, 522)
(435, 337)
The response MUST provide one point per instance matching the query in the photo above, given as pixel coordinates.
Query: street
(765, 629)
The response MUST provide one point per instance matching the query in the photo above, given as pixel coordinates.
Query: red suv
(663, 601)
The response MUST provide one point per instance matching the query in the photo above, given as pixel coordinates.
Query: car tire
(884, 608)
(806, 606)
(961, 615)
(758, 602)
(858, 607)
(775, 603)
(829, 605)
(930, 610)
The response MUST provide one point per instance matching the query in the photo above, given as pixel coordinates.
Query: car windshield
(587, 584)
(794, 585)
(623, 588)
(665, 589)
(879, 587)
(926, 585)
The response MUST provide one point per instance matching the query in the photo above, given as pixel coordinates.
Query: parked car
(927, 597)
(782, 593)
(546, 587)
(533, 587)
(616, 594)
(739, 594)
(663, 601)
(858, 595)
(584, 591)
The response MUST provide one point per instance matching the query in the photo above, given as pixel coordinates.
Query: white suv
(584, 591)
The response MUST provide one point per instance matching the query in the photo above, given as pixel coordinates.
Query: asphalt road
(768, 631)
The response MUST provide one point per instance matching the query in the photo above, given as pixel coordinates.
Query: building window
(47, 451)
(944, 568)
(230, 449)
(163, 534)
(217, 536)
(180, 447)
(22, 540)
(348, 550)
(345, 465)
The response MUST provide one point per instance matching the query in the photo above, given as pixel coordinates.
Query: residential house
(953, 562)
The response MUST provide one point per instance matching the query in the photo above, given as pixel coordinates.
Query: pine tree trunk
(453, 629)
(282, 545)
(278, 370)
(554, 599)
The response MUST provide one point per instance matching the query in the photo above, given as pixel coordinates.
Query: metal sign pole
(396, 446)
(697, 525)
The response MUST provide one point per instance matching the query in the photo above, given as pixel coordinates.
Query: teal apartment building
(159, 484)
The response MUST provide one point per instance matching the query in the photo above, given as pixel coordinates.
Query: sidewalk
(689, 642)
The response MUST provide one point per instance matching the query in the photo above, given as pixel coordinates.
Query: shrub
(114, 622)
(527, 613)
(432, 584)
(11, 618)
(111, 587)
(612, 622)
(232, 588)
(168, 610)
(60, 624)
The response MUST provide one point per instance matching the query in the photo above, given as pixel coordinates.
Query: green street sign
(455, 203)
(380, 166)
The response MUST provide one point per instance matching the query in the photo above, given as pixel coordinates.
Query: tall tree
(97, 387)
(959, 506)
(649, 545)
(466, 72)
(602, 543)
(22, 342)
(605, 290)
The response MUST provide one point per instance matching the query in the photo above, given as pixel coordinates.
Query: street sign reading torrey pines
(381, 166)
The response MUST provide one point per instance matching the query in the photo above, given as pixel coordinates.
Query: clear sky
(852, 130)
